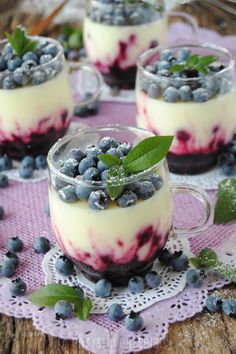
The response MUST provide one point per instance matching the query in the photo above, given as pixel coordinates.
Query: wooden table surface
(202, 334)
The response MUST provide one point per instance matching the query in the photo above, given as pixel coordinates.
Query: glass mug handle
(190, 19)
(86, 67)
(203, 197)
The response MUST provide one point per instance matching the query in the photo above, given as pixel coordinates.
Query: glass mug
(115, 243)
(201, 130)
(33, 117)
(116, 33)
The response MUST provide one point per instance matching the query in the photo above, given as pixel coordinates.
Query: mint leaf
(176, 67)
(50, 294)
(195, 62)
(225, 207)
(195, 262)
(20, 42)
(115, 186)
(109, 160)
(147, 153)
(192, 60)
(83, 311)
(207, 60)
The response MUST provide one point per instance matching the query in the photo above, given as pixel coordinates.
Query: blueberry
(154, 91)
(163, 65)
(115, 152)
(98, 200)
(93, 108)
(83, 191)
(127, 199)
(166, 55)
(125, 148)
(11, 257)
(79, 290)
(216, 67)
(15, 244)
(91, 174)
(93, 152)
(152, 279)
(104, 175)
(17, 287)
(71, 167)
(64, 266)
(232, 146)
(229, 170)
(5, 163)
(57, 182)
(183, 54)
(28, 64)
(8, 83)
(163, 72)
(214, 303)
(119, 20)
(20, 77)
(49, 72)
(133, 322)
(28, 161)
(151, 69)
(41, 162)
(225, 86)
(115, 312)
(229, 307)
(180, 263)
(101, 166)
(50, 49)
(4, 182)
(171, 94)
(185, 93)
(106, 143)
(157, 181)
(3, 63)
(7, 49)
(68, 194)
(145, 190)
(200, 95)
(85, 164)
(226, 158)
(8, 269)
(45, 58)
(38, 77)
(194, 278)
(135, 18)
(165, 257)
(63, 310)
(1, 212)
(76, 154)
(81, 111)
(136, 284)
(14, 63)
(26, 172)
(30, 56)
(103, 288)
(107, 19)
(41, 245)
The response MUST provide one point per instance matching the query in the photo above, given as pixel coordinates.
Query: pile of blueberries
(87, 169)
(113, 13)
(183, 86)
(216, 304)
(227, 160)
(32, 69)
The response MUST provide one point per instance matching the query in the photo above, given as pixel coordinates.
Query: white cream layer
(102, 41)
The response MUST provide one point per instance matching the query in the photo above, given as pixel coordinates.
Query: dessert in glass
(111, 236)
(188, 91)
(36, 102)
(117, 32)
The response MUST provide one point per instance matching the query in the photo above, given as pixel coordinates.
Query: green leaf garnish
(50, 294)
(194, 62)
(109, 160)
(74, 36)
(225, 208)
(20, 42)
(208, 259)
(157, 5)
(115, 175)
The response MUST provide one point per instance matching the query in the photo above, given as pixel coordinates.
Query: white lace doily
(172, 283)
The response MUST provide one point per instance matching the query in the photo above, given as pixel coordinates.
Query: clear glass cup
(116, 33)
(201, 129)
(34, 116)
(115, 243)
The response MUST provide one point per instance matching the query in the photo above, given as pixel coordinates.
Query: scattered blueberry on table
(4, 182)
(133, 322)
(1, 212)
(103, 288)
(15, 244)
(136, 284)
(42, 245)
(194, 278)
(115, 312)
(17, 287)
(214, 303)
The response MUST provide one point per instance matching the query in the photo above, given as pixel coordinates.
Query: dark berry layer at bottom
(192, 163)
(122, 79)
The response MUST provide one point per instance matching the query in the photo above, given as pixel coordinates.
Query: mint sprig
(225, 207)
(20, 42)
(142, 157)
(195, 62)
(208, 259)
(50, 294)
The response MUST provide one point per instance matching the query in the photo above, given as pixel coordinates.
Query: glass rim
(150, 52)
(102, 184)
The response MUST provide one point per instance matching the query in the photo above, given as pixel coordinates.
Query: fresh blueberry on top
(183, 54)
(26, 172)
(106, 143)
(3, 63)
(76, 154)
(98, 200)
(136, 284)
(91, 174)
(92, 152)
(83, 191)
(1, 212)
(185, 93)
(229, 169)
(17, 287)
(28, 161)
(15, 244)
(194, 278)
(11, 257)
(226, 158)
(45, 58)
(63, 310)
(127, 199)
(157, 181)
(232, 146)
(200, 95)
(115, 152)
(163, 65)
(30, 56)
(68, 194)
(135, 18)
(125, 148)
(5, 163)
(42, 245)
(171, 94)
(85, 164)
(8, 83)
(50, 49)
(64, 265)
(38, 77)
(229, 307)
(20, 77)
(145, 190)
(216, 67)
(71, 167)
(214, 303)
(101, 166)
(104, 175)
(151, 69)
(166, 55)
(4, 182)
(133, 322)
(115, 312)
(28, 64)
(163, 72)
(153, 279)
(103, 288)
(13, 63)
(154, 91)
(7, 269)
